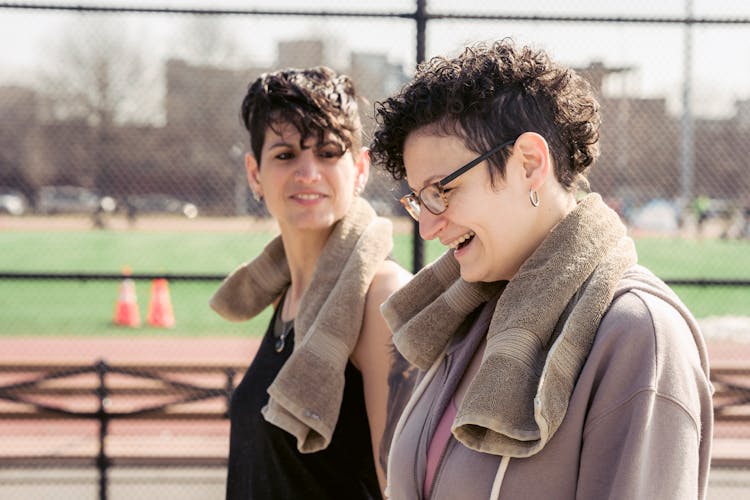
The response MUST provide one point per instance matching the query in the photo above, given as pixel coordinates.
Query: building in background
(196, 153)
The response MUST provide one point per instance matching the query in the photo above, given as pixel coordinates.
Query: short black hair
(316, 101)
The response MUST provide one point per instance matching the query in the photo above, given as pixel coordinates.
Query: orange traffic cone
(126, 307)
(160, 311)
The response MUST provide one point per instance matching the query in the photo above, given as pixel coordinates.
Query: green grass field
(85, 308)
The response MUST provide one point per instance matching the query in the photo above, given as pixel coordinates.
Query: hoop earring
(257, 197)
(534, 198)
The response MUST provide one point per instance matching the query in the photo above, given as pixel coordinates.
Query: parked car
(12, 201)
(72, 199)
(159, 203)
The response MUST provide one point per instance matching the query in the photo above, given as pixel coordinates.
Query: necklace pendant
(280, 342)
(281, 339)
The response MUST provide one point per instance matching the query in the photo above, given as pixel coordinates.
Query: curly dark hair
(314, 100)
(492, 93)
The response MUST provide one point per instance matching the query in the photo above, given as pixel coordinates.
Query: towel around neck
(540, 334)
(305, 397)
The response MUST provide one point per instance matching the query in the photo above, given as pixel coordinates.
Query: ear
(537, 162)
(253, 170)
(362, 165)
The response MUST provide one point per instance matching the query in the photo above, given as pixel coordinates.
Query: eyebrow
(331, 142)
(430, 180)
(280, 144)
(285, 144)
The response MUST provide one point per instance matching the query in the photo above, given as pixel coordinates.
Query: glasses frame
(413, 202)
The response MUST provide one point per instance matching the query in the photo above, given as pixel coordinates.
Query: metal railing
(166, 392)
(143, 392)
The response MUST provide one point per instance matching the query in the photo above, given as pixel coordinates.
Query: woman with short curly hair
(552, 365)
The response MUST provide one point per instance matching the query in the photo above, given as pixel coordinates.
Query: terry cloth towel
(305, 398)
(540, 334)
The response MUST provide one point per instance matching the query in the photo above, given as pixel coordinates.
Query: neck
(557, 204)
(302, 251)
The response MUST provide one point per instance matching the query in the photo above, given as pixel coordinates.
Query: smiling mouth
(308, 196)
(461, 241)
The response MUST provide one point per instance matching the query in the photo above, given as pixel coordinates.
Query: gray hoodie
(638, 424)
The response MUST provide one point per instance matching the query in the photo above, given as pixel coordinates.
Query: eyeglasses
(433, 196)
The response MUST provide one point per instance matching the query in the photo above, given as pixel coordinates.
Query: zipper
(406, 414)
(419, 486)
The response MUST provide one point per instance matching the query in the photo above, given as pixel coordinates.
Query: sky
(654, 53)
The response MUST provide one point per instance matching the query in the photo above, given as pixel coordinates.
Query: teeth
(307, 196)
(454, 244)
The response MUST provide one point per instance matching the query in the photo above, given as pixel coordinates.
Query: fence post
(420, 17)
(229, 387)
(102, 461)
(687, 134)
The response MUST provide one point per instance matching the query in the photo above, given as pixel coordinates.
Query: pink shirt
(438, 444)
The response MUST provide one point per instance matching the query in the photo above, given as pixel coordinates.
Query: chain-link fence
(121, 148)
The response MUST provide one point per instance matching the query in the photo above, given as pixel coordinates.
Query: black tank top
(263, 459)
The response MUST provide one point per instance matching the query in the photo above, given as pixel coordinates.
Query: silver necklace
(282, 328)
(281, 339)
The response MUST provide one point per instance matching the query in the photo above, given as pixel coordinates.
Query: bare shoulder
(372, 353)
(388, 278)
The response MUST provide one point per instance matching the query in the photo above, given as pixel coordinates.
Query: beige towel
(305, 398)
(521, 392)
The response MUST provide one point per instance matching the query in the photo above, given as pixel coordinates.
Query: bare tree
(95, 78)
(209, 41)
(94, 73)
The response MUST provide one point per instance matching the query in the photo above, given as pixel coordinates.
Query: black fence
(121, 147)
(104, 393)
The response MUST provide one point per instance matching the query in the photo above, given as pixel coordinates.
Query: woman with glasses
(308, 417)
(551, 364)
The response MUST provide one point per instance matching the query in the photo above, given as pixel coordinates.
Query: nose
(430, 224)
(307, 170)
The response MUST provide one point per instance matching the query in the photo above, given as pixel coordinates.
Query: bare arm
(373, 353)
